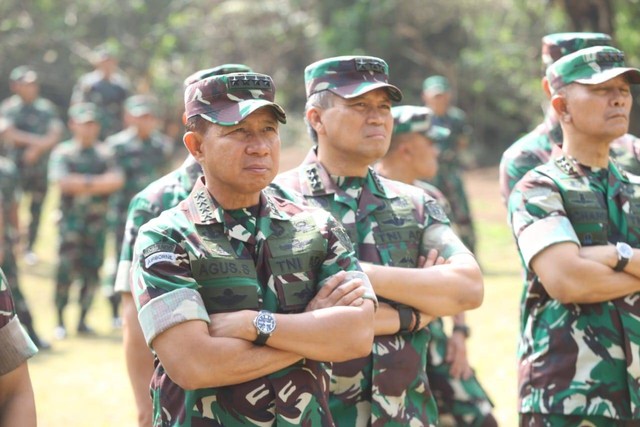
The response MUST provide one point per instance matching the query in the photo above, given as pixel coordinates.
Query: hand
(237, 324)
(430, 260)
(31, 155)
(337, 292)
(457, 357)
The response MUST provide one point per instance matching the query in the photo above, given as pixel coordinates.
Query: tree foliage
(489, 49)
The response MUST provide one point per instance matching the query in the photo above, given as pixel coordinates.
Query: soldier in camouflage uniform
(391, 224)
(229, 250)
(413, 155)
(142, 152)
(544, 142)
(34, 128)
(107, 87)
(16, 394)
(9, 243)
(157, 197)
(576, 221)
(86, 175)
(436, 94)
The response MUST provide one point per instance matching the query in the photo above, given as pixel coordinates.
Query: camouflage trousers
(460, 402)
(449, 181)
(554, 420)
(10, 268)
(80, 257)
(33, 181)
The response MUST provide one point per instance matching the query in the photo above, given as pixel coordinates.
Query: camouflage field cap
(349, 76)
(410, 118)
(555, 46)
(23, 74)
(102, 53)
(592, 65)
(139, 105)
(84, 112)
(216, 71)
(228, 99)
(436, 84)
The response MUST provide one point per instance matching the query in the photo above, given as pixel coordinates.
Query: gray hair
(323, 99)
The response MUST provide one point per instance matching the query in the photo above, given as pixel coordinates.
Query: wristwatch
(463, 329)
(265, 323)
(625, 252)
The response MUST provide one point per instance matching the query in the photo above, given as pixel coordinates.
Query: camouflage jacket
(15, 344)
(8, 179)
(38, 118)
(69, 158)
(157, 197)
(141, 162)
(577, 359)
(456, 121)
(109, 95)
(541, 144)
(198, 259)
(390, 223)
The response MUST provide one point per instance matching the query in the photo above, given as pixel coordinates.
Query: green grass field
(83, 382)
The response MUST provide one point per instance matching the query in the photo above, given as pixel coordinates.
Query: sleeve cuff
(544, 233)
(123, 276)
(15, 346)
(171, 309)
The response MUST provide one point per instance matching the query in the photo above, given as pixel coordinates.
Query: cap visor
(234, 112)
(633, 74)
(360, 88)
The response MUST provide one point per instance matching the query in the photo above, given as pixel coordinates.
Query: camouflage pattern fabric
(557, 45)
(38, 117)
(577, 359)
(390, 223)
(449, 176)
(349, 76)
(83, 226)
(274, 256)
(550, 420)
(141, 161)
(227, 99)
(466, 401)
(157, 197)
(15, 344)
(109, 95)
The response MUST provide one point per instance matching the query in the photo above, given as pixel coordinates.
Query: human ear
(314, 118)
(559, 104)
(545, 87)
(193, 142)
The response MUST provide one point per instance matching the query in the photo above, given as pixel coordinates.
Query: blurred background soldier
(86, 175)
(436, 94)
(142, 153)
(33, 129)
(107, 87)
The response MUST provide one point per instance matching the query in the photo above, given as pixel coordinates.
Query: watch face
(265, 322)
(624, 250)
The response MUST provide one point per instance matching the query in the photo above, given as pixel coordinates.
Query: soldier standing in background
(86, 175)
(33, 128)
(576, 221)
(436, 94)
(412, 156)
(107, 87)
(391, 225)
(142, 153)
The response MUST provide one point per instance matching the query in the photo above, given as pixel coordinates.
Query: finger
(421, 261)
(331, 284)
(440, 260)
(432, 256)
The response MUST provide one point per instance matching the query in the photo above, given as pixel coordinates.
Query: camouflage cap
(410, 118)
(23, 74)
(436, 84)
(139, 105)
(349, 76)
(102, 53)
(592, 65)
(227, 99)
(555, 46)
(216, 71)
(84, 112)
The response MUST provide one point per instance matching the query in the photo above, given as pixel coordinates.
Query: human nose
(377, 115)
(259, 145)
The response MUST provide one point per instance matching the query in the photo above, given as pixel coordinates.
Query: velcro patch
(159, 257)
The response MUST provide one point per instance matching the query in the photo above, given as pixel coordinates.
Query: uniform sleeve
(58, 167)
(537, 216)
(139, 213)
(15, 344)
(163, 287)
(438, 234)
